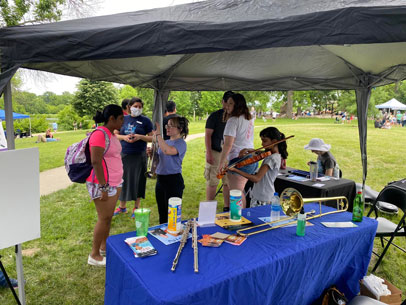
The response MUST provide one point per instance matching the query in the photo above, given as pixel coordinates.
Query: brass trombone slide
(291, 203)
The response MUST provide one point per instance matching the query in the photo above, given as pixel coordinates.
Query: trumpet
(292, 202)
(153, 160)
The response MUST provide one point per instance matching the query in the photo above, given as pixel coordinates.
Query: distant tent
(16, 116)
(392, 104)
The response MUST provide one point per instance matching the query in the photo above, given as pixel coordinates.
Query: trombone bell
(291, 203)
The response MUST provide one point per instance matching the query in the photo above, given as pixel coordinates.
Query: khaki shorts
(210, 171)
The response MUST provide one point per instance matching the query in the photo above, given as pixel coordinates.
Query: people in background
(134, 134)
(213, 140)
(238, 134)
(327, 164)
(170, 113)
(404, 119)
(55, 126)
(169, 170)
(125, 106)
(49, 137)
(264, 189)
(105, 181)
(398, 118)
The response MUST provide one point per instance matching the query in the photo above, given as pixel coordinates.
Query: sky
(40, 82)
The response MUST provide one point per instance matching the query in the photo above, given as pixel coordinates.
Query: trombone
(291, 203)
(152, 161)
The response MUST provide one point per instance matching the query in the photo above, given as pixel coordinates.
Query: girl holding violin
(238, 134)
(264, 179)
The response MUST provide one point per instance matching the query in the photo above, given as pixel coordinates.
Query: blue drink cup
(235, 205)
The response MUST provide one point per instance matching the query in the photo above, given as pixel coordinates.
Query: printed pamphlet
(160, 232)
(209, 241)
(235, 239)
(141, 246)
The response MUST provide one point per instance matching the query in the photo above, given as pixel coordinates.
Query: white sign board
(19, 196)
(3, 141)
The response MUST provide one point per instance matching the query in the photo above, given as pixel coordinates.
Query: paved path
(56, 179)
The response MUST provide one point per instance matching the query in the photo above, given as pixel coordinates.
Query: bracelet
(104, 188)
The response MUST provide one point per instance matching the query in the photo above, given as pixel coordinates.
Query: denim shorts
(95, 192)
(249, 169)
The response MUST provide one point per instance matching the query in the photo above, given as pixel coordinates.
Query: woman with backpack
(105, 181)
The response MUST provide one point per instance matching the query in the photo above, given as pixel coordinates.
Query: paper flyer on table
(297, 178)
(160, 232)
(343, 224)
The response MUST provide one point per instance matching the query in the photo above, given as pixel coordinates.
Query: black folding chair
(394, 193)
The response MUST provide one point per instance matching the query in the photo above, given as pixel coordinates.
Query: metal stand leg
(220, 190)
(20, 273)
(8, 282)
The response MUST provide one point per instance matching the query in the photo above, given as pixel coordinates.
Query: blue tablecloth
(273, 267)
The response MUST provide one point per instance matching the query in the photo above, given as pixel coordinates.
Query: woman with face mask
(134, 134)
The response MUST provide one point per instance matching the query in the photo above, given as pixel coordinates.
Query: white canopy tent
(393, 104)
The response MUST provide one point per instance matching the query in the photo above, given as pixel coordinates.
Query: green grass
(58, 272)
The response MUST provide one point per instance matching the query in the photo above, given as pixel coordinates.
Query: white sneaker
(93, 262)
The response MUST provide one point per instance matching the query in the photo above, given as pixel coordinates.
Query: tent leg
(160, 99)
(8, 110)
(363, 94)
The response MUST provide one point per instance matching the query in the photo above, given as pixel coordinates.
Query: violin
(253, 157)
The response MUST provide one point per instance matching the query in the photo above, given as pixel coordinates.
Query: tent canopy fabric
(222, 45)
(225, 45)
(392, 104)
(16, 116)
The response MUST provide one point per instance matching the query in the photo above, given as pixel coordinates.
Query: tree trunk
(289, 105)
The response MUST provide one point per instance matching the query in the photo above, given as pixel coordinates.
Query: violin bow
(246, 156)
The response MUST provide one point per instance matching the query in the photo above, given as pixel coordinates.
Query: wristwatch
(104, 188)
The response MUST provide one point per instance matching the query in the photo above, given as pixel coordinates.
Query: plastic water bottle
(358, 208)
(275, 207)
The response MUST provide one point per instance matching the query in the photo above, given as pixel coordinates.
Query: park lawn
(58, 273)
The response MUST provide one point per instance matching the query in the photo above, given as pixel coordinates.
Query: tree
(20, 12)
(210, 101)
(67, 117)
(184, 106)
(94, 95)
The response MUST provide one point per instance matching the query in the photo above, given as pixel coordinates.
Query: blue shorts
(249, 169)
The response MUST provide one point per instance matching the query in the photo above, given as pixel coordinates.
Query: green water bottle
(301, 223)
(358, 208)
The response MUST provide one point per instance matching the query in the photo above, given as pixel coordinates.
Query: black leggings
(167, 186)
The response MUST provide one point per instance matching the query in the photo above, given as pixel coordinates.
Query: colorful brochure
(282, 221)
(160, 232)
(209, 241)
(235, 239)
(141, 246)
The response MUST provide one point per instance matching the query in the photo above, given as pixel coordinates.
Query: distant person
(404, 119)
(326, 163)
(399, 118)
(3, 282)
(49, 137)
(125, 106)
(377, 123)
(274, 115)
(105, 181)
(55, 126)
(75, 126)
(80, 125)
(213, 140)
(170, 113)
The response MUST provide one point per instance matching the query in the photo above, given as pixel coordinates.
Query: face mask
(136, 111)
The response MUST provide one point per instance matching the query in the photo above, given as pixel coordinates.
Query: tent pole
(8, 111)
(160, 99)
(363, 95)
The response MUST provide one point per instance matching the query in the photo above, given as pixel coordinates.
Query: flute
(195, 247)
(183, 241)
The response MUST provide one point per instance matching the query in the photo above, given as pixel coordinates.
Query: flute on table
(195, 247)
(182, 244)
